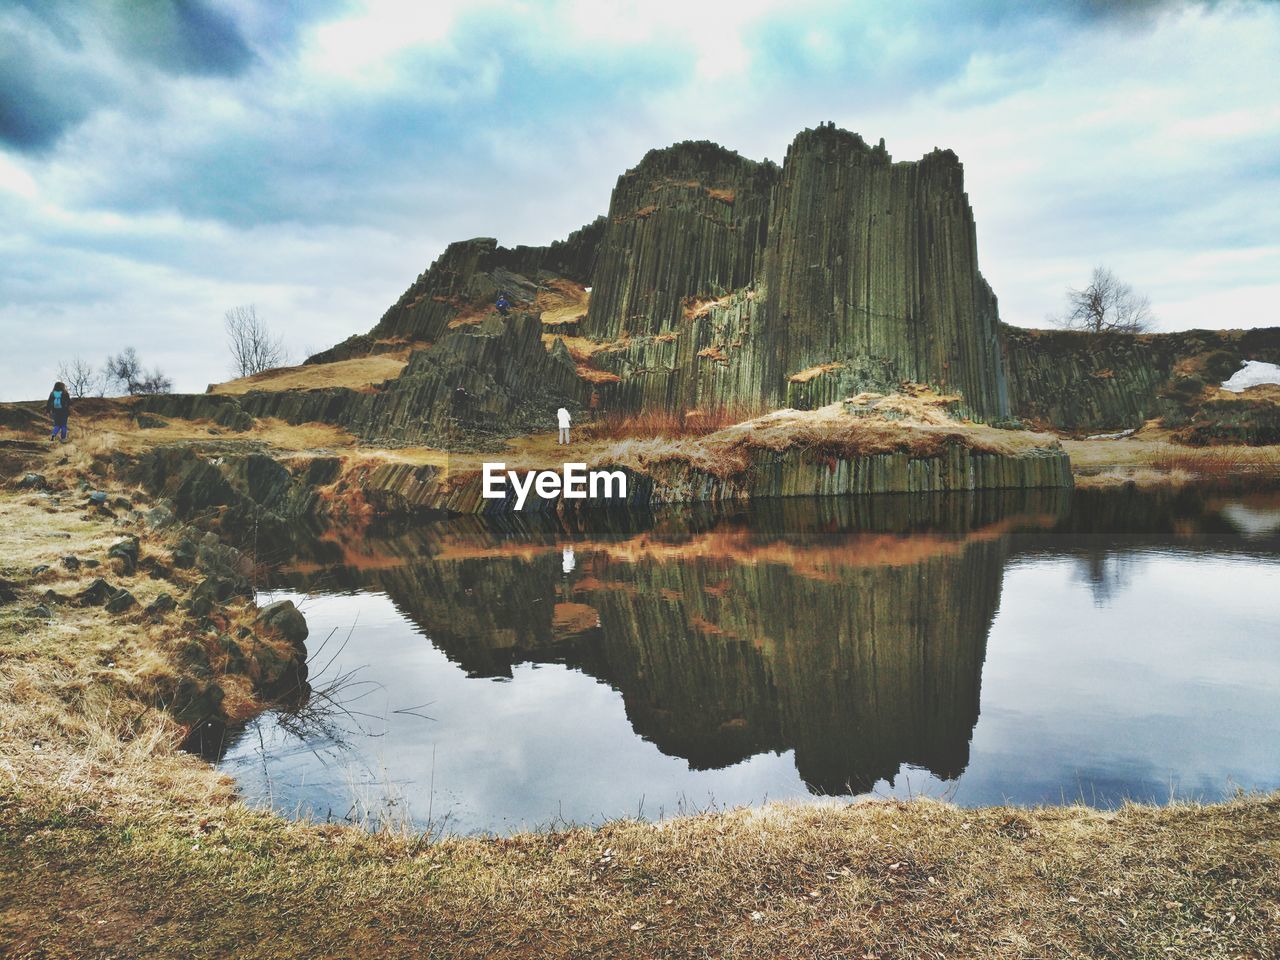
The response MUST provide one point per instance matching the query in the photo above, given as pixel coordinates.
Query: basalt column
(687, 221)
(875, 264)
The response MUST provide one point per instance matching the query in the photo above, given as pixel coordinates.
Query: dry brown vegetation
(804, 376)
(1151, 458)
(889, 425)
(359, 374)
(665, 423)
(562, 301)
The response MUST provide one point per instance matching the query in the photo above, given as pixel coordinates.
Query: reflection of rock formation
(859, 651)
(858, 668)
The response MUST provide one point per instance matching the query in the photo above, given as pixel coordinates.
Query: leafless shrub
(1106, 304)
(253, 347)
(80, 377)
(124, 372)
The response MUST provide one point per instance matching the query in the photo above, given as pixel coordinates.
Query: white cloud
(321, 181)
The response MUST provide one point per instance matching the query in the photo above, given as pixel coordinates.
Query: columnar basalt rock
(873, 260)
(470, 273)
(865, 266)
(686, 222)
(1113, 381)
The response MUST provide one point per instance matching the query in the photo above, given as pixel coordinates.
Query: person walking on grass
(563, 415)
(58, 406)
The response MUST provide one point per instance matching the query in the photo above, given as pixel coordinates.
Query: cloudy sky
(162, 161)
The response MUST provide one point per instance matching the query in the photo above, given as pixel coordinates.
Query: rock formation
(719, 282)
(716, 279)
(1112, 381)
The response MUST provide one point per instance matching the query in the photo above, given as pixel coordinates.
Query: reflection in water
(844, 637)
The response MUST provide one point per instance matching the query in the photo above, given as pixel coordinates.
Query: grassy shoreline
(114, 843)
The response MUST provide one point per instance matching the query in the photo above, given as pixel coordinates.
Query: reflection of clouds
(550, 744)
(568, 562)
(1252, 521)
(1164, 673)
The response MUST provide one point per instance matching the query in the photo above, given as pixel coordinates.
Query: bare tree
(81, 379)
(124, 371)
(1107, 303)
(253, 348)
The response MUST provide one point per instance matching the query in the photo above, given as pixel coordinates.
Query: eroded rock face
(1111, 381)
(717, 278)
(873, 260)
(476, 271)
(851, 262)
(687, 221)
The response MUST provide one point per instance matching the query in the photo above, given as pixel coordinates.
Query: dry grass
(916, 427)
(582, 350)
(812, 373)
(359, 374)
(695, 307)
(665, 423)
(118, 433)
(881, 879)
(561, 302)
(1151, 458)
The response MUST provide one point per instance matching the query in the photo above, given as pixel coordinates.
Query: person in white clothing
(563, 414)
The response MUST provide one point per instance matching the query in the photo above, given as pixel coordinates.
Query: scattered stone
(33, 481)
(158, 516)
(184, 553)
(92, 564)
(71, 562)
(54, 597)
(146, 421)
(8, 591)
(95, 594)
(122, 503)
(40, 568)
(161, 605)
(98, 497)
(285, 619)
(121, 601)
(125, 551)
(40, 612)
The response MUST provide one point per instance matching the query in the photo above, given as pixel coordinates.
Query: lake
(1030, 647)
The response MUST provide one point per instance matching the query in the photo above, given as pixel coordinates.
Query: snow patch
(1253, 373)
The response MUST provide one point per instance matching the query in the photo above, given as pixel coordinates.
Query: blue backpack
(57, 399)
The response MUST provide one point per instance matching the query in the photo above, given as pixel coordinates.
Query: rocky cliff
(862, 269)
(715, 280)
(1111, 381)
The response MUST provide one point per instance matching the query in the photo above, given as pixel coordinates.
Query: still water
(1036, 648)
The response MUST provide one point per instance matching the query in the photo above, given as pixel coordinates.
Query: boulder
(120, 601)
(33, 481)
(126, 552)
(161, 605)
(95, 594)
(71, 562)
(285, 619)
